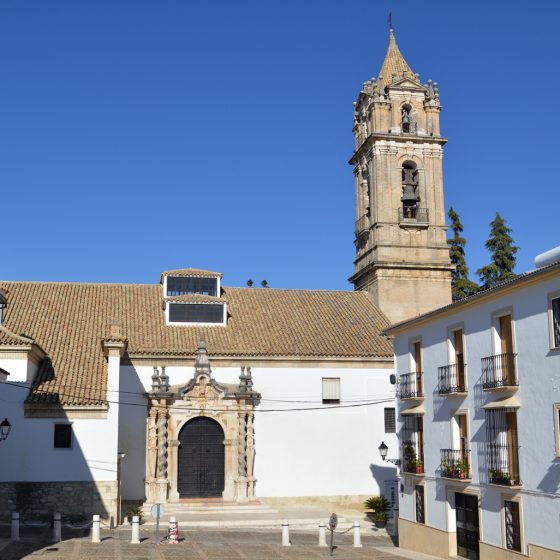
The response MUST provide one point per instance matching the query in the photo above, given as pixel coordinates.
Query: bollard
(57, 528)
(285, 533)
(15, 526)
(135, 530)
(357, 537)
(322, 534)
(95, 529)
(173, 533)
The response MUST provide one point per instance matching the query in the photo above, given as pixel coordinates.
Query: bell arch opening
(201, 459)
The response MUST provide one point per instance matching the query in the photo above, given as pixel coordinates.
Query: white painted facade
(535, 401)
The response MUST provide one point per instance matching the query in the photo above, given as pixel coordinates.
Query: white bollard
(15, 526)
(173, 533)
(57, 528)
(322, 534)
(135, 530)
(285, 533)
(357, 536)
(95, 529)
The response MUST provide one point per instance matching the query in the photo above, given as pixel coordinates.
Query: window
(63, 436)
(196, 313)
(331, 390)
(390, 424)
(554, 321)
(420, 504)
(512, 524)
(556, 410)
(182, 285)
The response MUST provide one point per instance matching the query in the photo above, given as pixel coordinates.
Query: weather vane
(390, 22)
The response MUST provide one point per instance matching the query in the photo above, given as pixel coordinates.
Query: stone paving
(195, 545)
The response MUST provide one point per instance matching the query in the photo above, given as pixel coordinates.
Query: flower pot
(380, 523)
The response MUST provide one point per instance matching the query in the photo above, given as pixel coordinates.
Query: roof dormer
(193, 297)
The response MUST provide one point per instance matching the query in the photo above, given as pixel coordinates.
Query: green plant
(379, 505)
(133, 511)
(498, 476)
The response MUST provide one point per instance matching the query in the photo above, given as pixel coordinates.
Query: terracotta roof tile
(192, 272)
(69, 321)
(8, 338)
(394, 63)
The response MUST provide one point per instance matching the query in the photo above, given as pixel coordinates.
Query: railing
(455, 463)
(413, 214)
(362, 225)
(410, 385)
(451, 379)
(499, 371)
(503, 464)
(413, 458)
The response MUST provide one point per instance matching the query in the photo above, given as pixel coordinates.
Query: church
(188, 389)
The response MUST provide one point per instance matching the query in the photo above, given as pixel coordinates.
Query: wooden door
(466, 511)
(459, 360)
(418, 370)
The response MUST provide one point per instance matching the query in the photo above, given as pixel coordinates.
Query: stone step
(234, 521)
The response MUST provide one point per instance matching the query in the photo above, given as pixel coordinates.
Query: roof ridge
(10, 335)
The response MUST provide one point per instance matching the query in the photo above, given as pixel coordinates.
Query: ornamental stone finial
(202, 362)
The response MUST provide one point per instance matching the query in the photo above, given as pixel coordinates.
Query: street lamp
(5, 428)
(383, 449)
(120, 457)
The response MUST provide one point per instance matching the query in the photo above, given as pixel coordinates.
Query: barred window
(182, 285)
(196, 313)
(63, 436)
(390, 423)
(556, 322)
(512, 525)
(331, 390)
(420, 509)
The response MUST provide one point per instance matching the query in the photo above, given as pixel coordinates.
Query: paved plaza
(233, 544)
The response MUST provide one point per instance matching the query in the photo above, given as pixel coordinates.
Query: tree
(500, 244)
(461, 286)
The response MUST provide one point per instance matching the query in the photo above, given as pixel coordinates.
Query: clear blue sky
(138, 136)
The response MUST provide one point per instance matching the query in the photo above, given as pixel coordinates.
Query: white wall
(306, 453)
(539, 388)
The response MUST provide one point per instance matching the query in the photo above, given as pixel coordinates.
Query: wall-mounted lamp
(383, 449)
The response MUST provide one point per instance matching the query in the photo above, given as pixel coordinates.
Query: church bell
(409, 196)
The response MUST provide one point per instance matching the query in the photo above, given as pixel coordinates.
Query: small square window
(63, 436)
(390, 423)
(331, 390)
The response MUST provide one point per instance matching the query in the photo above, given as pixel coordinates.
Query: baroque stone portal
(171, 407)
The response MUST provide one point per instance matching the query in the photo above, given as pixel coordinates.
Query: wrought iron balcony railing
(455, 463)
(413, 215)
(503, 464)
(413, 458)
(451, 379)
(411, 386)
(362, 225)
(499, 371)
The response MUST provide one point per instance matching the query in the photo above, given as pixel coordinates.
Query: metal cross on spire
(390, 21)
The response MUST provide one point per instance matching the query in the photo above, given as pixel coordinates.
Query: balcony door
(418, 367)
(459, 359)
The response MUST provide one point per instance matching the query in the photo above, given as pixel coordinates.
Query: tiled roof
(69, 321)
(8, 338)
(192, 272)
(394, 63)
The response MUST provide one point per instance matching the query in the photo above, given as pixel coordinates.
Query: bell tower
(402, 258)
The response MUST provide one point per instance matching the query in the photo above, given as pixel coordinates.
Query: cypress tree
(461, 286)
(500, 244)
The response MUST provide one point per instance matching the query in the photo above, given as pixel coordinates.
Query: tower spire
(394, 65)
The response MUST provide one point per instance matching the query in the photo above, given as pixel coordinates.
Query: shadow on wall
(48, 471)
(382, 474)
(551, 480)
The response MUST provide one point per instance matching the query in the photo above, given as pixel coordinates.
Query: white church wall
(323, 452)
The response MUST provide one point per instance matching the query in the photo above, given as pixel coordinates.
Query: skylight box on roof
(197, 313)
(184, 285)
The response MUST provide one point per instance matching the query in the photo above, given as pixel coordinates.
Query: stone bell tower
(402, 258)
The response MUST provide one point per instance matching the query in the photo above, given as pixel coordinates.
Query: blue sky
(139, 136)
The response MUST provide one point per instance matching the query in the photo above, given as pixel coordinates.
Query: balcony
(451, 379)
(503, 464)
(362, 226)
(499, 372)
(413, 216)
(413, 459)
(411, 386)
(455, 463)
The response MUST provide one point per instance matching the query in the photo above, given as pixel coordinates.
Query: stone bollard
(95, 529)
(357, 537)
(57, 528)
(15, 526)
(135, 530)
(322, 534)
(285, 533)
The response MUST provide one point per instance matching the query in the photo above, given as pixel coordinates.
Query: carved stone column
(250, 456)
(242, 457)
(162, 482)
(151, 461)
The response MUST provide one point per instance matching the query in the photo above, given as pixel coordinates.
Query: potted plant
(377, 508)
(133, 511)
(409, 455)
